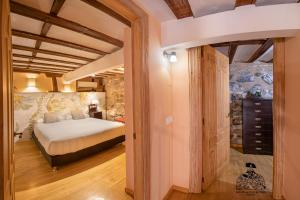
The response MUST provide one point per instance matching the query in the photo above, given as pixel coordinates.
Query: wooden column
(278, 115)
(6, 116)
(54, 84)
(195, 90)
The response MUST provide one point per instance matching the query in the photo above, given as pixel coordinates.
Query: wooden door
(6, 114)
(216, 120)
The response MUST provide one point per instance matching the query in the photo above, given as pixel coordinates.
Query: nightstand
(97, 115)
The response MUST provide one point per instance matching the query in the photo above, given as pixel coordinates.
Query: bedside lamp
(93, 107)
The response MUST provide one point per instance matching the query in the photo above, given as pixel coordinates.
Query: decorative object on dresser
(257, 126)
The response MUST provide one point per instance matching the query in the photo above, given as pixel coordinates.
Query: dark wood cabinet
(257, 127)
(97, 115)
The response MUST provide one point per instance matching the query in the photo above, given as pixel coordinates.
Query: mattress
(69, 136)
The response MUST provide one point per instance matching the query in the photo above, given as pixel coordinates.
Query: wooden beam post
(259, 52)
(231, 52)
(54, 84)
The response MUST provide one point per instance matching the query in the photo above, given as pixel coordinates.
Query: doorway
(215, 153)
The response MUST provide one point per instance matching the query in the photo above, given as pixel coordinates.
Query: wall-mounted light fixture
(171, 56)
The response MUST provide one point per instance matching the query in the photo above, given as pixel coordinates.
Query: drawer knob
(257, 126)
(257, 111)
(257, 103)
(258, 134)
(257, 119)
(258, 148)
(258, 141)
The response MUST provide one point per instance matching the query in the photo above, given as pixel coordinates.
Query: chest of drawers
(257, 127)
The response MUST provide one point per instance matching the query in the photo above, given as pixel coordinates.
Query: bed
(70, 140)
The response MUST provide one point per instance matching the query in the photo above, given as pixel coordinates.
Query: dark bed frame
(59, 160)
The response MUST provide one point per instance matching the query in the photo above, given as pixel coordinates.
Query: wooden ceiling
(264, 46)
(63, 44)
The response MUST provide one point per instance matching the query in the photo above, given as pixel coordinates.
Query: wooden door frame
(141, 111)
(196, 144)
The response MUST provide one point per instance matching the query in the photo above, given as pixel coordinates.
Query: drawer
(257, 103)
(257, 111)
(259, 120)
(259, 151)
(258, 142)
(257, 127)
(257, 134)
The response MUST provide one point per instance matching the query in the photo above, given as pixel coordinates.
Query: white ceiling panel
(23, 41)
(268, 55)
(84, 14)
(77, 38)
(28, 53)
(206, 7)
(157, 8)
(272, 2)
(223, 50)
(60, 58)
(244, 52)
(23, 23)
(23, 59)
(43, 5)
(68, 50)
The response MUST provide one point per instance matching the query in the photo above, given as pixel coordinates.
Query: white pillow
(51, 117)
(77, 114)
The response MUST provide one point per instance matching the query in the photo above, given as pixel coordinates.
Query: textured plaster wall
(115, 99)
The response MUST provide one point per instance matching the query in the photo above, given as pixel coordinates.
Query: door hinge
(134, 136)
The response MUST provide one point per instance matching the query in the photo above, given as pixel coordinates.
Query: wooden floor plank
(99, 176)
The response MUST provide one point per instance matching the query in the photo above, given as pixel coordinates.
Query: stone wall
(115, 99)
(247, 79)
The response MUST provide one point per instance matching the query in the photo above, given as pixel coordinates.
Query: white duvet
(73, 135)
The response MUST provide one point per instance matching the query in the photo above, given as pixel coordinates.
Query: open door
(6, 139)
(216, 119)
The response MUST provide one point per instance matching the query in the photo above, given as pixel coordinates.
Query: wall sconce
(31, 85)
(171, 56)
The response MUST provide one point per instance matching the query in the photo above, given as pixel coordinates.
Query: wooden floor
(224, 187)
(100, 177)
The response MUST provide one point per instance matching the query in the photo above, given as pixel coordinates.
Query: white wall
(181, 124)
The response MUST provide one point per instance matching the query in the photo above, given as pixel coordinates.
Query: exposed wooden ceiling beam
(98, 5)
(56, 6)
(231, 52)
(242, 42)
(54, 53)
(36, 72)
(180, 8)
(64, 23)
(261, 50)
(33, 36)
(46, 59)
(45, 64)
(41, 70)
(244, 2)
(271, 60)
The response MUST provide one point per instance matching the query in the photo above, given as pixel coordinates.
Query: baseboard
(175, 188)
(129, 192)
(168, 195)
(180, 189)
